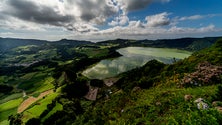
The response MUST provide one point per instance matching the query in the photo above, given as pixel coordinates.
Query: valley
(110, 82)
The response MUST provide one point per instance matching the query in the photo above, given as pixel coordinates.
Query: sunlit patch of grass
(39, 107)
(11, 97)
(58, 107)
(40, 82)
(93, 52)
(5, 122)
(9, 108)
(46, 85)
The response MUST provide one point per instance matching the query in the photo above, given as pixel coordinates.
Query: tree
(15, 120)
(33, 121)
(76, 90)
(5, 88)
(96, 83)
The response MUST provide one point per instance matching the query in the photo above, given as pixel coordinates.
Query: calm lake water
(133, 57)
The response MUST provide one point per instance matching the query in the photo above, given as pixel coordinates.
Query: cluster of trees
(5, 88)
(143, 77)
(9, 70)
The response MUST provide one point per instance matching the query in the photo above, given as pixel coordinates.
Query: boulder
(158, 103)
(219, 109)
(188, 97)
(202, 105)
(199, 100)
(216, 103)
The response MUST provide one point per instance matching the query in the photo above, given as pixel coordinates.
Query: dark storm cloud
(97, 11)
(30, 11)
(131, 5)
(136, 5)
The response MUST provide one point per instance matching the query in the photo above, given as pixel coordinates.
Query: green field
(39, 107)
(133, 57)
(5, 122)
(93, 52)
(9, 108)
(36, 82)
(10, 97)
(58, 107)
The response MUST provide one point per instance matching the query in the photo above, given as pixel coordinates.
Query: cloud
(35, 12)
(92, 20)
(74, 15)
(66, 13)
(197, 17)
(94, 11)
(178, 20)
(131, 5)
(158, 20)
(120, 20)
(137, 30)
(83, 28)
(194, 17)
(17, 24)
(136, 24)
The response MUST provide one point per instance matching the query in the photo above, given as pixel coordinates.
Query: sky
(98, 20)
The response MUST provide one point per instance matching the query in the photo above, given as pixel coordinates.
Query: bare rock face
(188, 97)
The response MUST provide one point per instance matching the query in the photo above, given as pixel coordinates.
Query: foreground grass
(5, 122)
(153, 106)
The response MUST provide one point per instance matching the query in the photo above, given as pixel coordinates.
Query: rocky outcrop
(201, 104)
(205, 74)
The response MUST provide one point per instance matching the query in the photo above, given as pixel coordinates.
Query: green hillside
(155, 93)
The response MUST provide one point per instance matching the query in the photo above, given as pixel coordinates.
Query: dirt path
(25, 104)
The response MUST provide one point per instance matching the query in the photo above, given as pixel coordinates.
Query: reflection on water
(132, 57)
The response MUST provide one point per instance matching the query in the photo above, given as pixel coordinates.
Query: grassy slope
(9, 108)
(11, 97)
(58, 107)
(38, 85)
(163, 103)
(38, 107)
(93, 52)
(140, 107)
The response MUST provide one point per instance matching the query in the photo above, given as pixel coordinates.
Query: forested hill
(10, 43)
(192, 44)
